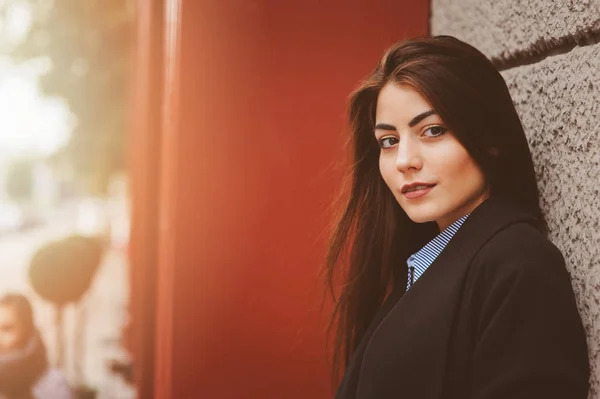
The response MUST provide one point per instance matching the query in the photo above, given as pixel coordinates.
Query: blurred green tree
(19, 180)
(88, 45)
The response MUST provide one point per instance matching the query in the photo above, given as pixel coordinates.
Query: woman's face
(12, 332)
(416, 148)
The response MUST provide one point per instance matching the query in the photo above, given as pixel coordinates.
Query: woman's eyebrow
(413, 122)
(385, 126)
(420, 117)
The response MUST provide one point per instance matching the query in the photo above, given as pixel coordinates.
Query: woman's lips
(418, 193)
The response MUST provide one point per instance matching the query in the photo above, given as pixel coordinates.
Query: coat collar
(423, 258)
(446, 274)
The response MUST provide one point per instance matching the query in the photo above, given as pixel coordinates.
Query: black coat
(494, 317)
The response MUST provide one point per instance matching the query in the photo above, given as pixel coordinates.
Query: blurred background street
(102, 312)
(64, 72)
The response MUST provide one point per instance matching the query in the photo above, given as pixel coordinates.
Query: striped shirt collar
(422, 259)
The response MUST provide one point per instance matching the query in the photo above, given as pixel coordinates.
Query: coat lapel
(405, 349)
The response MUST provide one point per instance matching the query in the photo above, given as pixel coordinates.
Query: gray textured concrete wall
(558, 99)
(503, 29)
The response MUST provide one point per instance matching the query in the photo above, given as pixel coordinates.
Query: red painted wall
(254, 124)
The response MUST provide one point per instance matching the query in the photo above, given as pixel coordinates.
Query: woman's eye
(435, 131)
(387, 142)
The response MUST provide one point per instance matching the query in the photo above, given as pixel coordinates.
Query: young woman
(450, 287)
(24, 371)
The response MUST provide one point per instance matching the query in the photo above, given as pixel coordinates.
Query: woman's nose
(409, 156)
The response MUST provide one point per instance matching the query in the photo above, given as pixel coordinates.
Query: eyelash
(383, 139)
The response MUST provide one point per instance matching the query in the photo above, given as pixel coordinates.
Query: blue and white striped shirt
(420, 261)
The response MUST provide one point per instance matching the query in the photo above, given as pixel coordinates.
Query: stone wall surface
(556, 90)
(558, 101)
(504, 29)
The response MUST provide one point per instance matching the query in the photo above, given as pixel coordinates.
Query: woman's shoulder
(52, 385)
(519, 270)
(519, 249)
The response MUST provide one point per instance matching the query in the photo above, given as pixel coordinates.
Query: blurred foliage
(88, 44)
(19, 179)
(62, 271)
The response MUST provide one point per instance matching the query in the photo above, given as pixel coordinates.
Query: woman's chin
(422, 219)
(422, 215)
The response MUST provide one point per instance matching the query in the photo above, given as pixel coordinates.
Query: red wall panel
(254, 124)
(144, 144)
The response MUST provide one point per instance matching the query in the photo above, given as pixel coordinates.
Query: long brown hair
(373, 236)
